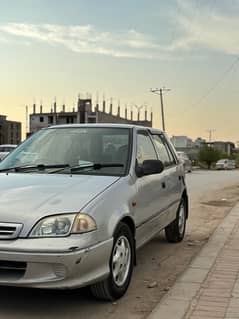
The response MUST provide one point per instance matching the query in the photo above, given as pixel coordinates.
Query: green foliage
(209, 155)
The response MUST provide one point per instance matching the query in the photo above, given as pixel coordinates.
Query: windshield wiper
(95, 166)
(40, 167)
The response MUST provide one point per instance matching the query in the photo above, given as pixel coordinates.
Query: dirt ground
(167, 261)
(159, 264)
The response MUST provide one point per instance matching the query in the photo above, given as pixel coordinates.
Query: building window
(50, 119)
(41, 119)
(69, 120)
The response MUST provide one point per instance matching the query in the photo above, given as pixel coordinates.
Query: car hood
(26, 198)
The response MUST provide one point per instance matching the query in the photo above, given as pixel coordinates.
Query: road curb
(178, 301)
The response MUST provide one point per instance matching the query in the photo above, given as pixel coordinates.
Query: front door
(173, 176)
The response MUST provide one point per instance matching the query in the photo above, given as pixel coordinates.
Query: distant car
(187, 164)
(225, 164)
(5, 149)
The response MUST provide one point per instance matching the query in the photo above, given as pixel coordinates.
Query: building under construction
(10, 131)
(85, 114)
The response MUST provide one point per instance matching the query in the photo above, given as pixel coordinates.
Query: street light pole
(160, 92)
(26, 110)
(138, 109)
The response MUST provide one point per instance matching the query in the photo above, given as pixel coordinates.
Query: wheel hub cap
(121, 260)
(181, 219)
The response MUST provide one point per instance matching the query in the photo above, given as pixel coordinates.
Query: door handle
(163, 185)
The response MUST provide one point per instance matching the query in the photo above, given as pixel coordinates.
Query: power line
(218, 82)
(224, 74)
(196, 14)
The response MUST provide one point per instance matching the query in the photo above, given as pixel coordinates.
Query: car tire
(115, 286)
(175, 231)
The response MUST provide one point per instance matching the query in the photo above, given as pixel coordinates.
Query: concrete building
(10, 131)
(182, 142)
(192, 148)
(187, 145)
(84, 114)
(224, 147)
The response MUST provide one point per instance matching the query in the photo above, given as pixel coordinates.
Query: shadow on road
(27, 302)
(78, 303)
(158, 262)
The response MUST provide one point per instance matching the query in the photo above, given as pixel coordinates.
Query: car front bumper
(220, 166)
(56, 270)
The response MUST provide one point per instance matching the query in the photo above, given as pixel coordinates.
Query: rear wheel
(175, 231)
(121, 266)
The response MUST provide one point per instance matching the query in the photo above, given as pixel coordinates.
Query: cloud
(197, 29)
(206, 27)
(86, 39)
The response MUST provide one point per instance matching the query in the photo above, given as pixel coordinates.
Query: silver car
(187, 163)
(225, 164)
(77, 201)
(5, 149)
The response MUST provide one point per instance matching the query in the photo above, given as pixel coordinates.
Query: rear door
(173, 176)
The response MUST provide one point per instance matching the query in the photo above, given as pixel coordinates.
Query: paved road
(157, 261)
(201, 182)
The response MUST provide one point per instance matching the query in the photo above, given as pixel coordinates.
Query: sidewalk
(209, 288)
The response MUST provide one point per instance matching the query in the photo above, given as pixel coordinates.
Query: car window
(163, 151)
(145, 148)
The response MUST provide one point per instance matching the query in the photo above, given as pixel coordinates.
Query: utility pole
(160, 92)
(210, 131)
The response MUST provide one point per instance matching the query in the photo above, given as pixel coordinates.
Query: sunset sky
(123, 48)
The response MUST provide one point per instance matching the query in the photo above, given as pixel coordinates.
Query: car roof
(107, 125)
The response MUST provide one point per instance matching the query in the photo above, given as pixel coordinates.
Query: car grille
(12, 269)
(9, 230)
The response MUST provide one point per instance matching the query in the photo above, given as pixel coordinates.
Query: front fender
(113, 206)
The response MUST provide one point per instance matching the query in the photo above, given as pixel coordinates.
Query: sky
(62, 48)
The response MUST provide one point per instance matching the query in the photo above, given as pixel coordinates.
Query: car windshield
(222, 161)
(75, 146)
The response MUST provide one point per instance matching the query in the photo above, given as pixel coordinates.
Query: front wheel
(121, 266)
(175, 231)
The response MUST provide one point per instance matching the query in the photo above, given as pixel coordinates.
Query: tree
(209, 155)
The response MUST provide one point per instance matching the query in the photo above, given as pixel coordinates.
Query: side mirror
(149, 167)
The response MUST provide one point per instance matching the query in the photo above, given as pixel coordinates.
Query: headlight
(63, 225)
